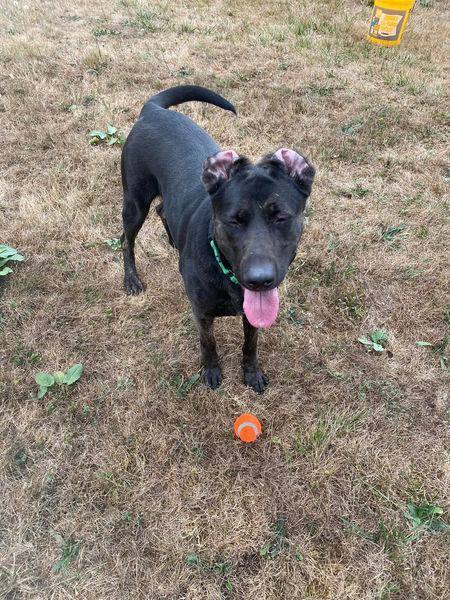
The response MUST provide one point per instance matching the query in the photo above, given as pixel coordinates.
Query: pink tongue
(261, 308)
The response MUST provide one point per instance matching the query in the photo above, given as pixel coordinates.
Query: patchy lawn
(127, 483)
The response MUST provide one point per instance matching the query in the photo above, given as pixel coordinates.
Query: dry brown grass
(145, 477)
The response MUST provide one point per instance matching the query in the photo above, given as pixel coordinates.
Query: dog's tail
(188, 93)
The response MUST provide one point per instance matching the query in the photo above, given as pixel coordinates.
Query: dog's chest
(229, 303)
(225, 301)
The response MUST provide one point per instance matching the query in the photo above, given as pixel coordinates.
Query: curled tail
(188, 93)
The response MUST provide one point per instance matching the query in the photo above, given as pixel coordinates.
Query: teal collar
(227, 272)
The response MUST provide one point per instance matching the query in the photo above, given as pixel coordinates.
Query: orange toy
(247, 427)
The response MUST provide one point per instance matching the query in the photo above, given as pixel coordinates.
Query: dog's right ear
(219, 168)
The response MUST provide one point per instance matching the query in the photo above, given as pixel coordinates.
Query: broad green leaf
(112, 141)
(114, 243)
(423, 344)
(192, 380)
(377, 347)
(74, 374)
(43, 389)
(97, 133)
(44, 379)
(185, 387)
(411, 514)
(14, 256)
(365, 341)
(18, 257)
(5, 271)
(6, 251)
(111, 130)
(379, 336)
(192, 560)
(59, 377)
(60, 565)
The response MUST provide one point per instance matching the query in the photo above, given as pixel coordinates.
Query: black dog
(236, 225)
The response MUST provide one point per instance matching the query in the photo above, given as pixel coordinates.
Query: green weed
(187, 28)
(104, 31)
(352, 126)
(8, 254)
(409, 272)
(278, 541)
(422, 232)
(388, 536)
(377, 340)
(124, 384)
(293, 315)
(183, 72)
(69, 551)
(146, 20)
(386, 389)
(219, 568)
(350, 271)
(320, 90)
(192, 560)
(352, 305)
(45, 381)
(111, 137)
(22, 357)
(390, 234)
(183, 386)
(114, 243)
(355, 191)
(425, 517)
(438, 348)
(327, 429)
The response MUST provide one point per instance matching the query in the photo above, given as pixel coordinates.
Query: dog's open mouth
(261, 308)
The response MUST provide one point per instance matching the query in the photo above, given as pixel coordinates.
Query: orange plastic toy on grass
(247, 427)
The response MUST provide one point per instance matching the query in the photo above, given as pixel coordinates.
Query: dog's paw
(133, 284)
(212, 377)
(256, 380)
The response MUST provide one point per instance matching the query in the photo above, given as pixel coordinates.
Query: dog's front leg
(253, 376)
(212, 375)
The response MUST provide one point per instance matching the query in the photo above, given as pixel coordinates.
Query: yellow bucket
(388, 21)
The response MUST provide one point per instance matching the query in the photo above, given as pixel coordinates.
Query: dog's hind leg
(136, 204)
(160, 211)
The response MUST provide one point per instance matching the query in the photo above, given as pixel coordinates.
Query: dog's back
(164, 155)
(170, 147)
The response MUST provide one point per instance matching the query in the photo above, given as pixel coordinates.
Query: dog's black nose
(259, 275)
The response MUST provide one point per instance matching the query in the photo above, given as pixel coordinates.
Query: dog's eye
(281, 217)
(237, 220)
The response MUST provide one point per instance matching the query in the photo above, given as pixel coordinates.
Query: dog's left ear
(298, 167)
(218, 168)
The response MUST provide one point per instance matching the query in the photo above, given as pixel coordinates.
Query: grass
(129, 484)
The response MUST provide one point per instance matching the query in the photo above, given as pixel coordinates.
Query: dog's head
(258, 212)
